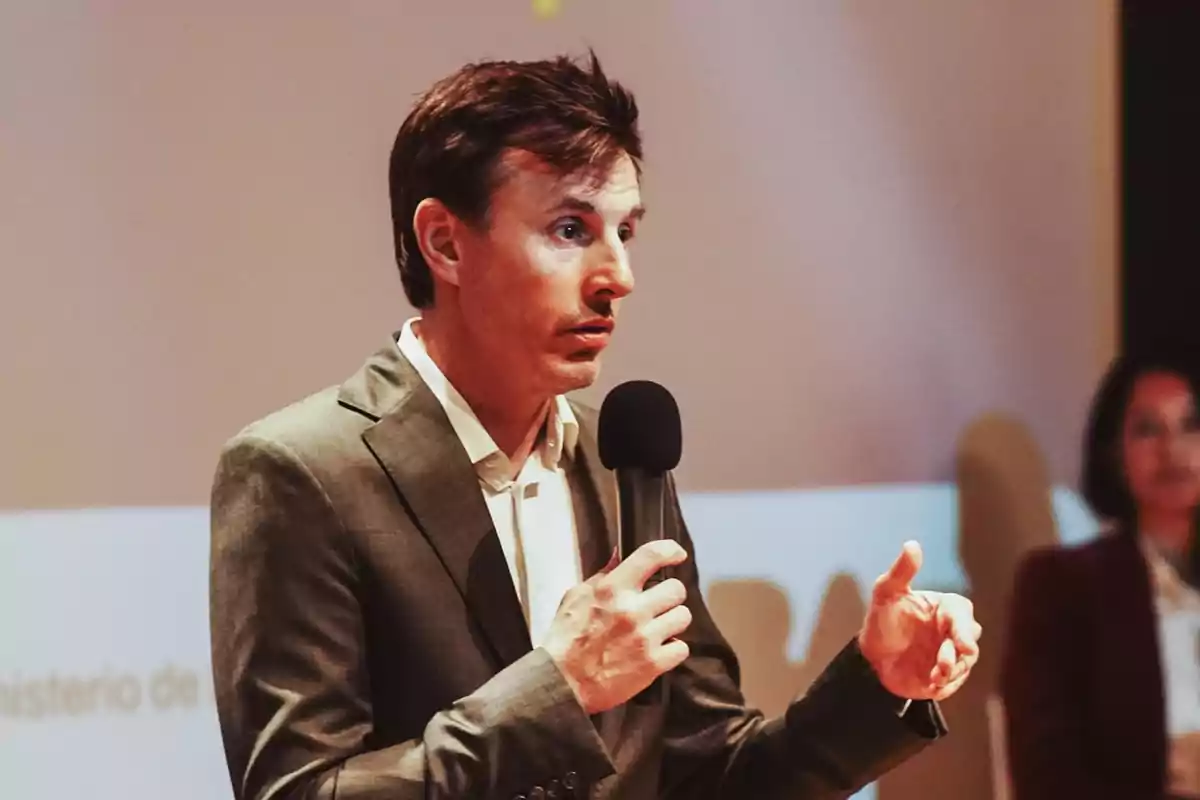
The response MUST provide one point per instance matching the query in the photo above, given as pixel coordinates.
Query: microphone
(641, 440)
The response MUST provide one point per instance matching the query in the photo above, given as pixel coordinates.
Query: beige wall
(875, 219)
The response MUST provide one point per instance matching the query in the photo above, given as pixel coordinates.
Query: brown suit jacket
(368, 642)
(1081, 678)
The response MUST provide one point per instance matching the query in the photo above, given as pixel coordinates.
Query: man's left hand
(922, 645)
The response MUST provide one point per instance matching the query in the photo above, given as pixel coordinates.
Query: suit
(1081, 676)
(368, 642)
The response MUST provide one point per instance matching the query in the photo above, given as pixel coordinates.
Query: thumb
(898, 579)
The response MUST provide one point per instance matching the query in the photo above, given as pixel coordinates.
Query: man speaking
(414, 590)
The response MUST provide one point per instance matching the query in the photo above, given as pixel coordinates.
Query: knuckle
(666, 548)
(603, 592)
(676, 590)
(624, 612)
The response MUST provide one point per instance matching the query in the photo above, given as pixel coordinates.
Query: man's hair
(570, 115)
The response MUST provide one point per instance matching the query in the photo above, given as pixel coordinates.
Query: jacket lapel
(1129, 654)
(599, 491)
(418, 448)
(596, 514)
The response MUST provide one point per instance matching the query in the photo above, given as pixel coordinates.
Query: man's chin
(573, 374)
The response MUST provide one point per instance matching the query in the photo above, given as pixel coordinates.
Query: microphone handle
(640, 500)
(640, 497)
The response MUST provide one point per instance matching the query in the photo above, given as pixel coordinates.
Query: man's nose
(613, 275)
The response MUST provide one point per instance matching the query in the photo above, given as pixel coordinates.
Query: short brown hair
(570, 115)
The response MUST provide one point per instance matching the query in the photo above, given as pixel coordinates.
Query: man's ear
(437, 232)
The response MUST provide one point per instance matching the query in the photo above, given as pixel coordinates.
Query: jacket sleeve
(290, 674)
(843, 733)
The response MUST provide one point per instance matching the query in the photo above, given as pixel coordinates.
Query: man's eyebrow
(584, 206)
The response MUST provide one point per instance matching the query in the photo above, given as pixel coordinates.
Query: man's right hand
(612, 637)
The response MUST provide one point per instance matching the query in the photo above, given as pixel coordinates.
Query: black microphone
(641, 440)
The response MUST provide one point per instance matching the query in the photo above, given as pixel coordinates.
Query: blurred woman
(1101, 670)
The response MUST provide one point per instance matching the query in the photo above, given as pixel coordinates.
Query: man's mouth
(590, 337)
(593, 327)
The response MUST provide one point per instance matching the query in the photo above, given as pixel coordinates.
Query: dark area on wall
(1160, 174)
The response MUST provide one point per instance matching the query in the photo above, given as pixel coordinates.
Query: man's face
(539, 287)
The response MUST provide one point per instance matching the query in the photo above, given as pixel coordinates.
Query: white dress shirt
(533, 514)
(1177, 606)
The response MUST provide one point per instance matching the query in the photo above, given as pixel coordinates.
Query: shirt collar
(562, 427)
(1165, 580)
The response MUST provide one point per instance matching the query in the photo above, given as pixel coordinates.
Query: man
(413, 593)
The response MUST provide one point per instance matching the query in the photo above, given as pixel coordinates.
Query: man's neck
(514, 419)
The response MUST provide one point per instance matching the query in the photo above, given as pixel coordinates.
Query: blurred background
(909, 237)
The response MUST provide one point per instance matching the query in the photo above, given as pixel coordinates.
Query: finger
(968, 662)
(648, 559)
(670, 655)
(662, 597)
(961, 667)
(950, 688)
(957, 620)
(898, 579)
(668, 625)
(946, 657)
(925, 603)
(965, 634)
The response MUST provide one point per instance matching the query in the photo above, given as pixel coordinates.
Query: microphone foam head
(640, 428)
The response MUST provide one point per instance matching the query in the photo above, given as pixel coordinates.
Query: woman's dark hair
(1104, 485)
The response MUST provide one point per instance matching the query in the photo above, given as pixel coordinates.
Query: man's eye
(570, 229)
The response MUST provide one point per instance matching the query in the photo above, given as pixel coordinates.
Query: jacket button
(554, 791)
(537, 793)
(570, 781)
